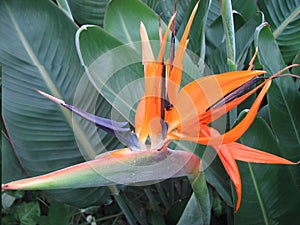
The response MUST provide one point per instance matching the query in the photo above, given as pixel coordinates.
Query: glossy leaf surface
(41, 132)
(284, 19)
(283, 99)
(267, 189)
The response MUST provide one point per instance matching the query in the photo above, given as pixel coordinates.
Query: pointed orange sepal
(150, 107)
(247, 154)
(230, 136)
(160, 57)
(177, 64)
(195, 98)
(228, 162)
(232, 170)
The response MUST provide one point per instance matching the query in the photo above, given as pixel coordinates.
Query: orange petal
(228, 162)
(164, 40)
(233, 134)
(176, 73)
(149, 110)
(147, 54)
(236, 132)
(139, 121)
(175, 77)
(232, 169)
(150, 107)
(195, 98)
(215, 113)
(188, 26)
(147, 119)
(248, 154)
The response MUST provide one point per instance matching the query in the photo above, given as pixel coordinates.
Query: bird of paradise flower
(166, 113)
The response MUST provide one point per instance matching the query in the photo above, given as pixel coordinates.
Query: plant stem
(227, 17)
(122, 204)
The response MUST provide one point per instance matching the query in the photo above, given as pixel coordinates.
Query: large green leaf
(165, 8)
(123, 18)
(88, 11)
(284, 19)
(191, 214)
(269, 194)
(37, 53)
(283, 99)
(11, 168)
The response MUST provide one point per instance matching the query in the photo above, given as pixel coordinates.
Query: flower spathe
(166, 113)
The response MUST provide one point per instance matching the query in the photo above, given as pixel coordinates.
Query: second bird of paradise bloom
(166, 113)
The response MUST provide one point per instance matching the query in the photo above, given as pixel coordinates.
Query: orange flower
(166, 113)
(189, 111)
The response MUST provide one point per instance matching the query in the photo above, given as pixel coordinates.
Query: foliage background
(37, 50)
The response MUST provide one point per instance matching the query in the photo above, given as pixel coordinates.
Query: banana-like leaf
(123, 18)
(166, 9)
(284, 19)
(269, 192)
(122, 166)
(88, 11)
(64, 6)
(11, 168)
(191, 213)
(45, 136)
(283, 99)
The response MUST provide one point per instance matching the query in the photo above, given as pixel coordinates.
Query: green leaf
(7, 201)
(191, 213)
(284, 19)
(28, 213)
(58, 214)
(296, 69)
(155, 218)
(11, 167)
(63, 4)
(283, 98)
(214, 13)
(123, 21)
(247, 9)
(165, 9)
(269, 192)
(88, 11)
(45, 136)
